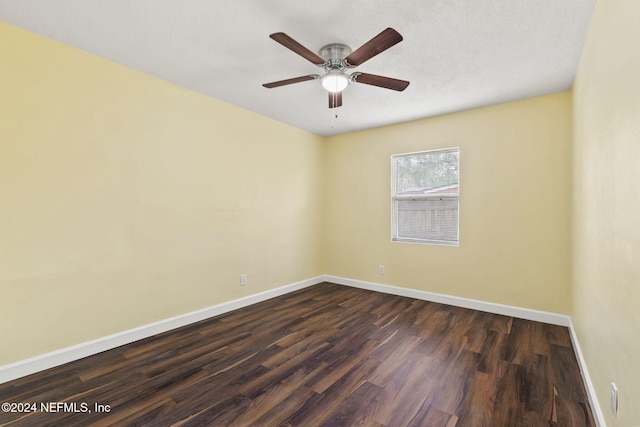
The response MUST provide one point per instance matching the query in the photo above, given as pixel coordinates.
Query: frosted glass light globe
(334, 81)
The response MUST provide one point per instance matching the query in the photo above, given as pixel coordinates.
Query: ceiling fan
(336, 59)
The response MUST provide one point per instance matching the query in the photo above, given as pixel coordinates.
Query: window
(425, 197)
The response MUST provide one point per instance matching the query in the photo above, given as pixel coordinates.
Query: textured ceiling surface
(457, 54)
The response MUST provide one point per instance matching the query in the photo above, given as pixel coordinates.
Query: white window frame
(395, 198)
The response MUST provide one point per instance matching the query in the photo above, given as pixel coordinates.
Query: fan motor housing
(334, 54)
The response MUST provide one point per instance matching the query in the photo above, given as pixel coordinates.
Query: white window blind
(425, 192)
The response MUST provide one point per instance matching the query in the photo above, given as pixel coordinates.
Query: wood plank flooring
(327, 355)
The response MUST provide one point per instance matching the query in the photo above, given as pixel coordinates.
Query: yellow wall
(515, 204)
(125, 199)
(606, 291)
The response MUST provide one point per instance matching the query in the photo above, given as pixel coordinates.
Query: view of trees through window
(426, 170)
(425, 198)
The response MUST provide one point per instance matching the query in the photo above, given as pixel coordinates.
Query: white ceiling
(457, 54)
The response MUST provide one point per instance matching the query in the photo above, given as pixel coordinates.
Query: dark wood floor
(326, 355)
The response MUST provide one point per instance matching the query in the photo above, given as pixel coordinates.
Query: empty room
(265, 213)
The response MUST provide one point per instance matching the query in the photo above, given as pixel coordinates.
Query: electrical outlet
(613, 400)
(243, 279)
(381, 269)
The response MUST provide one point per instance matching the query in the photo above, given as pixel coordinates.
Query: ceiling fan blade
(335, 99)
(379, 43)
(291, 81)
(293, 45)
(381, 81)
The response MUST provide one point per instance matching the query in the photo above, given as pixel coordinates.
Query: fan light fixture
(334, 81)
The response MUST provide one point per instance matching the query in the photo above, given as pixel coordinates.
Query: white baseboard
(591, 391)
(59, 357)
(490, 307)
